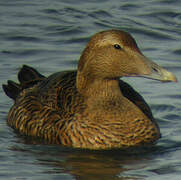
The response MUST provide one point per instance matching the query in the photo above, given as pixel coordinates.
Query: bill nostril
(155, 70)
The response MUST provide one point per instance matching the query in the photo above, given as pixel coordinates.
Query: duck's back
(43, 106)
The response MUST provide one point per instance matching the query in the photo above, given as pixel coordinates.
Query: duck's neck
(98, 87)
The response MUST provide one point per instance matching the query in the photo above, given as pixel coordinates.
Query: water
(50, 35)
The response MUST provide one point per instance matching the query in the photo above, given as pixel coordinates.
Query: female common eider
(91, 107)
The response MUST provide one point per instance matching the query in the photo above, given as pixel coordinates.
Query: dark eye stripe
(117, 46)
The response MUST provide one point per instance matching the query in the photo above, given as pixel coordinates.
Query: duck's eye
(117, 46)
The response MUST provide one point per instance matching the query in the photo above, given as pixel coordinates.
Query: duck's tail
(27, 77)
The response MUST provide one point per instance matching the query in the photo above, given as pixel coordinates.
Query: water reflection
(86, 164)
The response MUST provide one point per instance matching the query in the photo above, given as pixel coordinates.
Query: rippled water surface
(50, 35)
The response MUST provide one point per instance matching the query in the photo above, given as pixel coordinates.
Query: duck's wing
(136, 98)
(56, 91)
(43, 106)
(59, 90)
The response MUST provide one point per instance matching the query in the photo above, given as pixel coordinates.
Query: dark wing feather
(27, 76)
(136, 98)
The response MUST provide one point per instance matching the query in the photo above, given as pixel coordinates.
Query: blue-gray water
(50, 35)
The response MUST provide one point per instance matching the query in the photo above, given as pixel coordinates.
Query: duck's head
(113, 54)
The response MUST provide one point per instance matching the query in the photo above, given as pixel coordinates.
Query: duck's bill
(148, 69)
(159, 73)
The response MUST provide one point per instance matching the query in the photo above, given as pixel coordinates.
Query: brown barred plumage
(89, 108)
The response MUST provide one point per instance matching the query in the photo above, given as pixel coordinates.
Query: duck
(91, 107)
